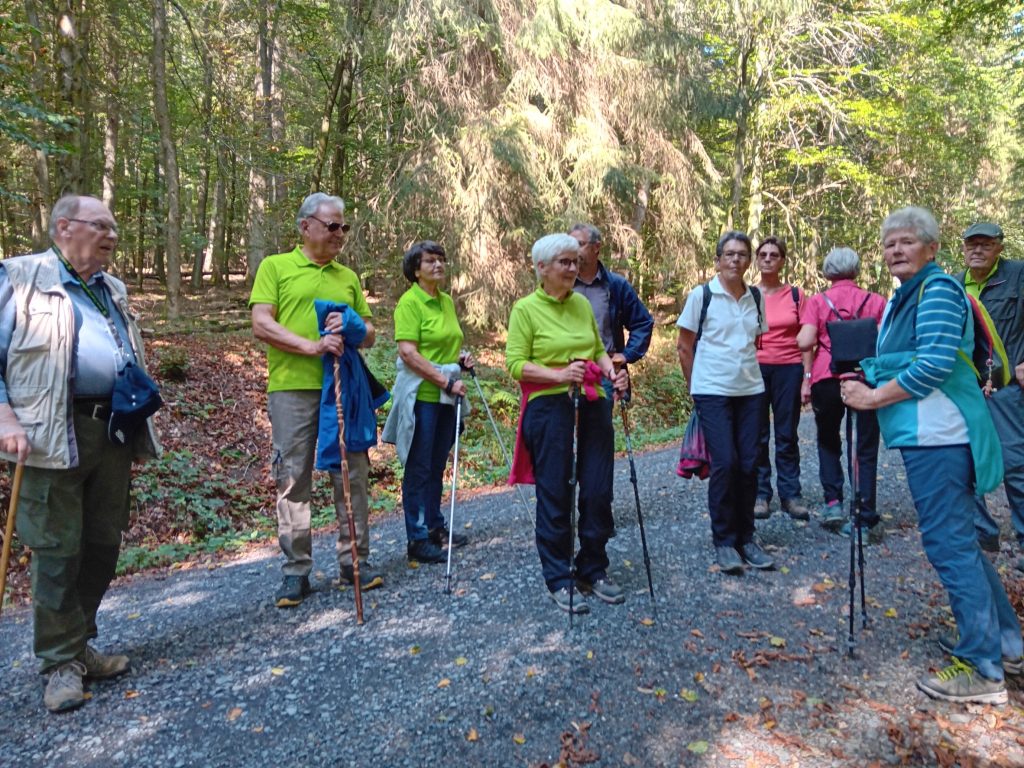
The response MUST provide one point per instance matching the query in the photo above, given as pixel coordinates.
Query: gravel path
(735, 671)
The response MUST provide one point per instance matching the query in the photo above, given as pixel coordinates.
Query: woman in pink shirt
(842, 301)
(783, 367)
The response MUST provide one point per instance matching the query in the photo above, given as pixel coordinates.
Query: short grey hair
(841, 264)
(312, 204)
(920, 220)
(593, 233)
(65, 208)
(549, 247)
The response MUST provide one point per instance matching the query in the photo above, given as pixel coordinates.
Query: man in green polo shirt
(283, 316)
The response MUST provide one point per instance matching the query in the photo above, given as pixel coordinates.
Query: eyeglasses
(567, 263)
(332, 226)
(735, 256)
(99, 226)
(986, 245)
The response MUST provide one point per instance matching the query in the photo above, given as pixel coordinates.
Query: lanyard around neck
(100, 306)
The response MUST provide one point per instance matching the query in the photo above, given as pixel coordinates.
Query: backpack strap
(756, 294)
(705, 303)
(832, 306)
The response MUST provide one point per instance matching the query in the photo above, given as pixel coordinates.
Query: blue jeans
(1013, 482)
(547, 432)
(730, 426)
(422, 483)
(782, 397)
(829, 410)
(941, 483)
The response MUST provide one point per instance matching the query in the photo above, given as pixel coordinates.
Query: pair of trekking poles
(856, 518)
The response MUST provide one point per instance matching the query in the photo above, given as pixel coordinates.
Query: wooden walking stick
(12, 512)
(347, 491)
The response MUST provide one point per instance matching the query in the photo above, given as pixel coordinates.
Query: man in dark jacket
(999, 285)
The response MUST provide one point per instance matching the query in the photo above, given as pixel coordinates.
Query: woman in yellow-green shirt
(429, 350)
(554, 345)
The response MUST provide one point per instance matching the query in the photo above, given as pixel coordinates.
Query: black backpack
(851, 339)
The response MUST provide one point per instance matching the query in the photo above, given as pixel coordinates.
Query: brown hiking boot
(99, 666)
(64, 689)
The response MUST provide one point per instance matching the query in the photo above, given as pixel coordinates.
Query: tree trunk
(217, 222)
(169, 158)
(199, 258)
(111, 131)
(40, 165)
(72, 47)
(325, 124)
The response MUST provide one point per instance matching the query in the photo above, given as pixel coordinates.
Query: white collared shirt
(726, 358)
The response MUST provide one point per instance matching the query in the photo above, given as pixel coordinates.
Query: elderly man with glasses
(65, 333)
(283, 316)
(998, 284)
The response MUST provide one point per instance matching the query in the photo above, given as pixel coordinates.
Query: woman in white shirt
(718, 331)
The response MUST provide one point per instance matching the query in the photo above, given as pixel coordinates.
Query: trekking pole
(12, 512)
(623, 409)
(859, 509)
(357, 585)
(572, 501)
(852, 580)
(455, 479)
(497, 434)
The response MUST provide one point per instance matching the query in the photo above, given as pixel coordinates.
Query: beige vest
(39, 360)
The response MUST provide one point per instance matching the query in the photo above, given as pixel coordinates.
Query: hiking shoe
(831, 516)
(874, 534)
(424, 551)
(762, 509)
(988, 543)
(605, 590)
(64, 689)
(439, 536)
(1013, 667)
(99, 666)
(292, 592)
(728, 560)
(756, 557)
(579, 600)
(796, 508)
(960, 682)
(368, 577)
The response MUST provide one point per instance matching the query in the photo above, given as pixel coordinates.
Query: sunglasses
(332, 226)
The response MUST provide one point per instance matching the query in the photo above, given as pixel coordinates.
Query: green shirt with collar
(290, 282)
(551, 332)
(431, 323)
(975, 288)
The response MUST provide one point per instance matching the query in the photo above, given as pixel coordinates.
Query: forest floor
(746, 671)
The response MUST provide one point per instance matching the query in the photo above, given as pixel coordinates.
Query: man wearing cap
(65, 332)
(998, 284)
(283, 316)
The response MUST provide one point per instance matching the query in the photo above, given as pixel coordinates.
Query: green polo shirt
(974, 288)
(291, 282)
(431, 323)
(551, 332)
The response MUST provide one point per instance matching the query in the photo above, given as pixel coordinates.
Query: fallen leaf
(890, 613)
(467, 526)
(784, 569)
(413, 564)
(133, 616)
(688, 695)
(278, 671)
(697, 747)
(461, 661)
(627, 563)
(641, 689)
(530, 672)
(777, 642)
(414, 650)
(696, 633)
(487, 577)
(590, 654)
(131, 694)
(472, 735)
(87, 695)
(519, 738)
(445, 682)
(234, 713)
(647, 622)
(258, 729)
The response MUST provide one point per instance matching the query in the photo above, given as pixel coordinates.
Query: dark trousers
(422, 482)
(782, 397)
(829, 410)
(548, 432)
(730, 426)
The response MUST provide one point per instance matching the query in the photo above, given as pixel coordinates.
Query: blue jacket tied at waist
(358, 404)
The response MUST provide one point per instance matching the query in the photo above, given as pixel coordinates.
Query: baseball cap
(984, 229)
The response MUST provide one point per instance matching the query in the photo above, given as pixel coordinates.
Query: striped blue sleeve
(940, 328)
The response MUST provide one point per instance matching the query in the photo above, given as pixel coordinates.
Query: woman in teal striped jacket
(931, 407)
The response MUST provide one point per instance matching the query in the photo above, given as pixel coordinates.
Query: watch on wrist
(807, 375)
(448, 386)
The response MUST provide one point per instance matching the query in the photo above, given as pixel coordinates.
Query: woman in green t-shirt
(422, 418)
(554, 347)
